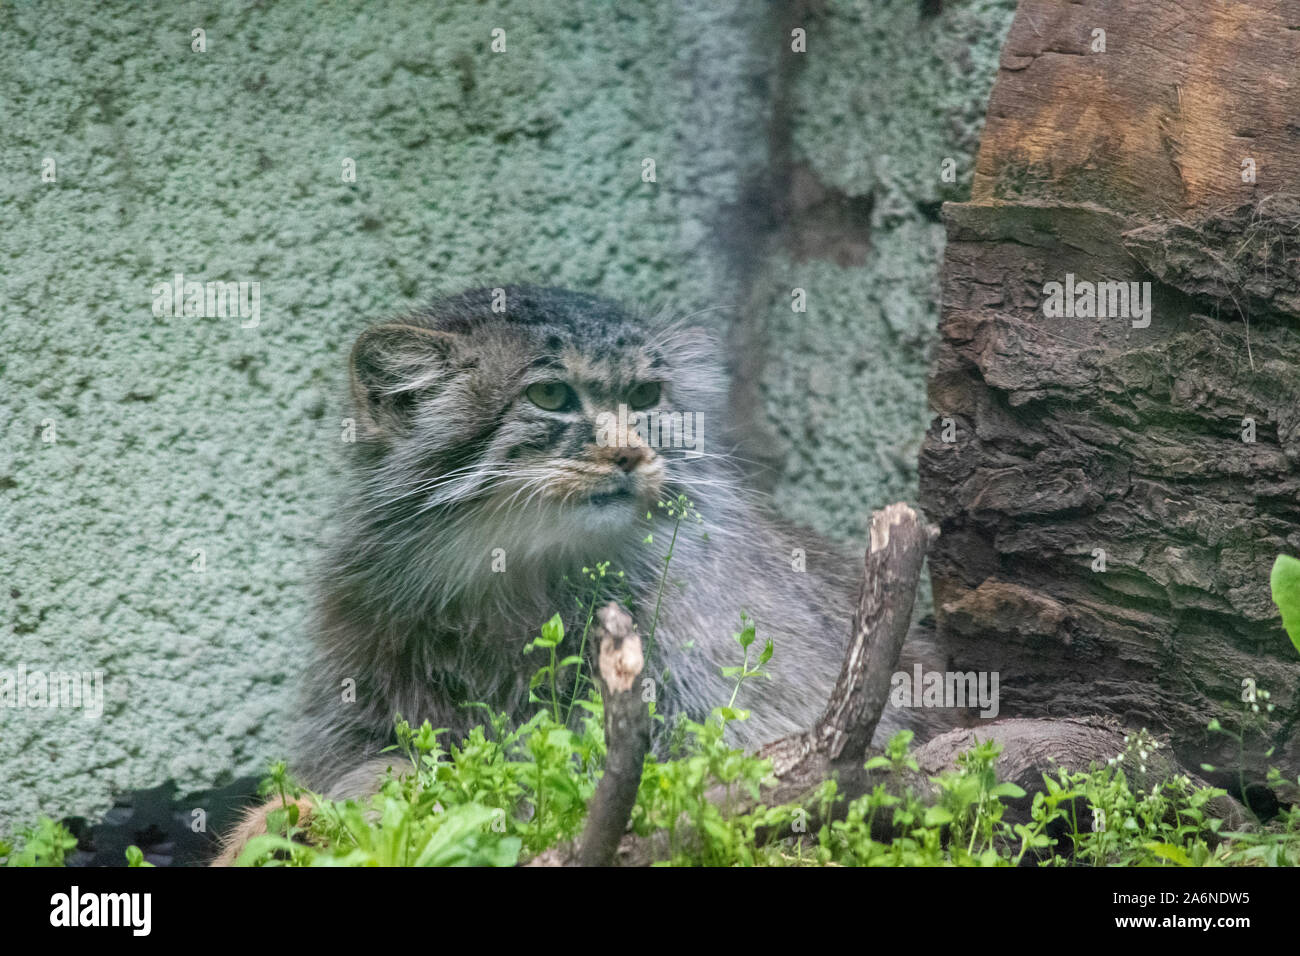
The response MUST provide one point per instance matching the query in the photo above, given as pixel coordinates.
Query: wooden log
(1111, 493)
(627, 736)
(838, 743)
(618, 664)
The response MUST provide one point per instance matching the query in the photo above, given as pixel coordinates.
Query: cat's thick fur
(454, 468)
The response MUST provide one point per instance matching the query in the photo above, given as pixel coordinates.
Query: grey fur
(412, 612)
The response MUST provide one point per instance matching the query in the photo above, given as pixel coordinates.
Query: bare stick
(627, 736)
(899, 540)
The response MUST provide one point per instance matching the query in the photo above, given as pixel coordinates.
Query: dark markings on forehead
(562, 315)
(551, 326)
(595, 345)
(598, 365)
(549, 361)
(607, 379)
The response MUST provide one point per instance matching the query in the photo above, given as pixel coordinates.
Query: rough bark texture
(627, 735)
(1057, 439)
(618, 662)
(899, 540)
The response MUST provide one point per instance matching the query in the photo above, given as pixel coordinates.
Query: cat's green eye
(644, 395)
(551, 396)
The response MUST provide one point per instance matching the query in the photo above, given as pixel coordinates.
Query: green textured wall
(882, 98)
(174, 434)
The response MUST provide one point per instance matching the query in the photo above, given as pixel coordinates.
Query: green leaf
(1170, 852)
(135, 857)
(937, 816)
(260, 846)
(732, 713)
(1285, 581)
(1007, 789)
(552, 632)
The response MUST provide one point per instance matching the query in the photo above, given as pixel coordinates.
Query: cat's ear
(392, 365)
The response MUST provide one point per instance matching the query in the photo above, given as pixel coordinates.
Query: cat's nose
(628, 458)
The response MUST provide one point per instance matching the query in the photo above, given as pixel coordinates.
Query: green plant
(1252, 718)
(744, 672)
(679, 509)
(1285, 584)
(970, 800)
(45, 844)
(677, 796)
(504, 794)
(135, 857)
(595, 593)
(551, 638)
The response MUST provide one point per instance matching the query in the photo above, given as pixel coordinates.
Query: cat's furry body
(452, 462)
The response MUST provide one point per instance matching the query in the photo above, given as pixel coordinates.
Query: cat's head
(536, 416)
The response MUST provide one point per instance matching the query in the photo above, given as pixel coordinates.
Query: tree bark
(1112, 495)
(627, 735)
(838, 744)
